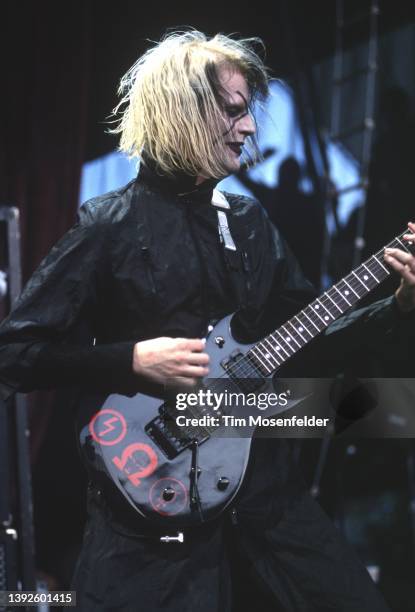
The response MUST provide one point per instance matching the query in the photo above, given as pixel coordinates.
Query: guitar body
(188, 474)
(118, 446)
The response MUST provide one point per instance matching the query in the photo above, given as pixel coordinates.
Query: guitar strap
(236, 260)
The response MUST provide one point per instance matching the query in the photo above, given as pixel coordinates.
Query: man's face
(238, 122)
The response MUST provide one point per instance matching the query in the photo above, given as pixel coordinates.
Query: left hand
(404, 264)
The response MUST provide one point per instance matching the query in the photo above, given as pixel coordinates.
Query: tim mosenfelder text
(229, 420)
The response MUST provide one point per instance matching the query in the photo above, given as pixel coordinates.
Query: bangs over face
(172, 103)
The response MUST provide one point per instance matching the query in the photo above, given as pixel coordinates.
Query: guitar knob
(222, 483)
(168, 494)
(220, 341)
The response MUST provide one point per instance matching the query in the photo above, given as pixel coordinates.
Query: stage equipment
(364, 129)
(16, 514)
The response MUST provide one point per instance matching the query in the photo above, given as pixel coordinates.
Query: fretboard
(269, 354)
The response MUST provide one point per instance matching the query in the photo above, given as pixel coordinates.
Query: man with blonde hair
(144, 272)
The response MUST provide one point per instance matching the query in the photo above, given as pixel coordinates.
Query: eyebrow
(244, 104)
(231, 103)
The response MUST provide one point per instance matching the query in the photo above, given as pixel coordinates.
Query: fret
(342, 296)
(285, 330)
(381, 264)
(296, 330)
(260, 360)
(284, 340)
(351, 289)
(303, 327)
(336, 305)
(347, 292)
(357, 286)
(252, 366)
(311, 321)
(327, 310)
(265, 354)
(273, 348)
(360, 280)
(374, 265)
(315, 308)
(365, 276)
(403, 244)
(279, 345)
(366, 268)
(269, 355)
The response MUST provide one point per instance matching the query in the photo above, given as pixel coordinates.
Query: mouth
(236, 147)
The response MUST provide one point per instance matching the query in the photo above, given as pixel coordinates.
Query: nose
(246, 125)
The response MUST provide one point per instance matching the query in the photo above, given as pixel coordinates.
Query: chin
(233, 166)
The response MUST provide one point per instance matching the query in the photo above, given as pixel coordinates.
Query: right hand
(171, 362)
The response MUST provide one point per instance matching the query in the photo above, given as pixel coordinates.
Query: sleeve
(39, 343)
(373, 341)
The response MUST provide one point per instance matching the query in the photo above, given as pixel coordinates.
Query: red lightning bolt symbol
(109, 425)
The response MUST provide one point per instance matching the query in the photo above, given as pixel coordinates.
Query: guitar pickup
(231, 359)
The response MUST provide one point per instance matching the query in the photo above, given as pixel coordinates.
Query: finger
(182, 381)
(401, 256)
(201, 359)
(403, 269)
(194, 344)
(192, 371)
(409, 239)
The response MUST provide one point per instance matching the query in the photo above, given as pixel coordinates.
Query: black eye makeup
(236, 111)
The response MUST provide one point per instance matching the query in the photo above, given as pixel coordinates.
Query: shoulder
(108, 208)
(249, 210)
(242, 203)
(253, 220)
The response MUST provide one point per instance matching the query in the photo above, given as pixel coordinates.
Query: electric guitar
(183, 471)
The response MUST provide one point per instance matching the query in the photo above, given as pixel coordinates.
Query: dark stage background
(61, 65)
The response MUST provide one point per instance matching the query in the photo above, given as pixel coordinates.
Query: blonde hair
(172, 99)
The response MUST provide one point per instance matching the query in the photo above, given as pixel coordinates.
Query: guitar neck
(274, 350)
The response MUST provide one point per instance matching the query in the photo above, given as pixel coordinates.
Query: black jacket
(146, 261)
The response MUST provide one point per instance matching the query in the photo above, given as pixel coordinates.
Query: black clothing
(131, 269)
(146, 261)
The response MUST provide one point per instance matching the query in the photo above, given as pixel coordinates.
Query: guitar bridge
(170, 437)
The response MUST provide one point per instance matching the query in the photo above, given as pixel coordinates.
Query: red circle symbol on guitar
(137, 455)
(177, 501)
(107, 427)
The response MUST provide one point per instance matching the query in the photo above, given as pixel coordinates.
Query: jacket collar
(179, 185)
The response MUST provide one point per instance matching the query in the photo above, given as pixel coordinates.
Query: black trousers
(277, 551)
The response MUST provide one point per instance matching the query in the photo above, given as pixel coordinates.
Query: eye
(236, 112)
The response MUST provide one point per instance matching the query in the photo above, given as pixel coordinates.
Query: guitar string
(355, 283)
(372, 264)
